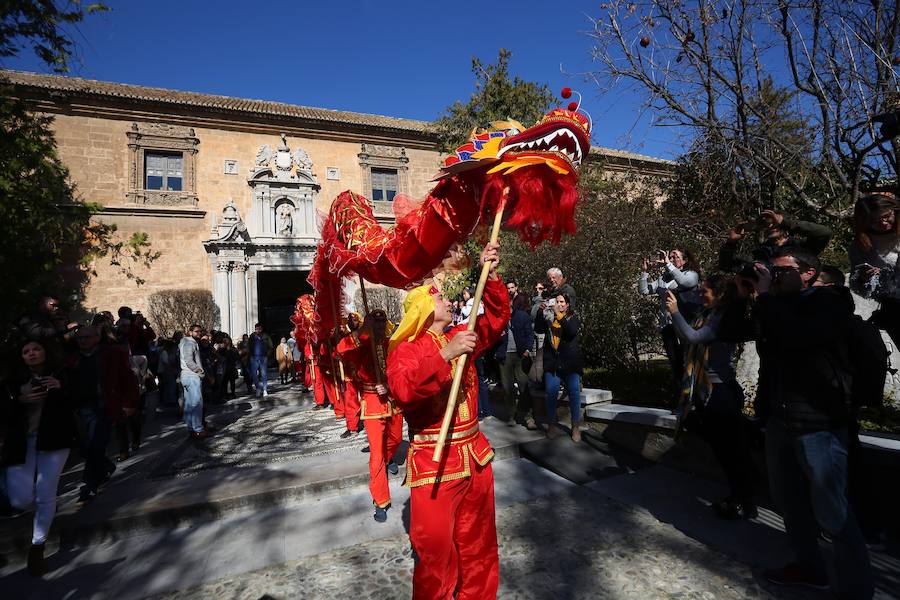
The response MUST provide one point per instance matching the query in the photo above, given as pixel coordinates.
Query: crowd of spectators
(819, 364)
(83, 385)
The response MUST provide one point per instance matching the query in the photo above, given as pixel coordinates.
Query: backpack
(869, 362)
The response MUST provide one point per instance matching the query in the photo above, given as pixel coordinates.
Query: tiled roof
(225, 103)
(90, 87)
(623, 155)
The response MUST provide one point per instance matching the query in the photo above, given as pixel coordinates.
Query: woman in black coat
(41, 432)
(562, 362)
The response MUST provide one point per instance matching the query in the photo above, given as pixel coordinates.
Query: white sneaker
(265, 393)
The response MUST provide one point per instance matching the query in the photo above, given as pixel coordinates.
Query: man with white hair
(559, 286)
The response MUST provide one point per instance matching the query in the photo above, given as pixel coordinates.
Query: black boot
(36, 564)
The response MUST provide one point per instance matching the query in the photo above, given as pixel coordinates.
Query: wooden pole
(338, 385)
(379, 374)
(461, 361)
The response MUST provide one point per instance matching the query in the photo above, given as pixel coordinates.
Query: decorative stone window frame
(384, 157)
(161, 137)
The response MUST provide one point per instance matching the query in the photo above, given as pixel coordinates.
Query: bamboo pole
(379, 374)
(473, 316)
(338, 385)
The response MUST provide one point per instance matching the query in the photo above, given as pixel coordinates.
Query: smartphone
(37, 385)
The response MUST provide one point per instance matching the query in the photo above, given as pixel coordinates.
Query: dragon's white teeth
(554, 148)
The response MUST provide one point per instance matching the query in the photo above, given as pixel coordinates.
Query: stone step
(638, 415)
(154, 494)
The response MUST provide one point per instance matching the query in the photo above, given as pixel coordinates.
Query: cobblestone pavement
(575, 544)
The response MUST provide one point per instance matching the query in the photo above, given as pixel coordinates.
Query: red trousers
(454, 533)
(384, 436)
(323, 389)
(351, 405)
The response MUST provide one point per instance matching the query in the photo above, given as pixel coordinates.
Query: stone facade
(251, 177)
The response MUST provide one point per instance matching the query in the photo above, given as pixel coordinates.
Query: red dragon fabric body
(538, 168)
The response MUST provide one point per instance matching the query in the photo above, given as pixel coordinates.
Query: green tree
(50, 239)
(496, 97)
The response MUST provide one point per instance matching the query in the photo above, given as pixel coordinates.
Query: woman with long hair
(41, 433)
(711, 398)
(873, 257)
(563, 362)
(680, 275)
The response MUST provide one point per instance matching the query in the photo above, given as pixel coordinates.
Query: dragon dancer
(382, 421)
(452, 522)
(351, 393)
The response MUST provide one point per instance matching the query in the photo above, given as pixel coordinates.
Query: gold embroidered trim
(466, 472)
(363, 416)
(454, 435)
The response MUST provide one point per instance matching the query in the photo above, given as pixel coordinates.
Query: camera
(545, 294)
(748, 271)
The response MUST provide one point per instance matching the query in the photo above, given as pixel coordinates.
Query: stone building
(229, 189)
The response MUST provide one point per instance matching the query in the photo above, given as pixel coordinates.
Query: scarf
(696, 387)
(556, 331)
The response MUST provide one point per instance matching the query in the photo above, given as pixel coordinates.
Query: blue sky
(399, 58)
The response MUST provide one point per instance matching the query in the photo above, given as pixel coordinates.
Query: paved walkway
(292, 519)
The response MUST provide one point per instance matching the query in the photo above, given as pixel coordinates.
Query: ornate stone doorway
(276, 293)
(277, 240)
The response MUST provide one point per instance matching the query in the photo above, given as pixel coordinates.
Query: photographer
(873, 258)
(774, 231)
(802, 334)
(712, 400)
(680, 276)
(563, 362)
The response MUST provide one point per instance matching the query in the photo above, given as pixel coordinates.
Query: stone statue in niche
(284, 219)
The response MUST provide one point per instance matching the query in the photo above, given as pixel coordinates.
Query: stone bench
(664, 419)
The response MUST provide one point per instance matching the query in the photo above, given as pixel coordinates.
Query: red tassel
(540, 206)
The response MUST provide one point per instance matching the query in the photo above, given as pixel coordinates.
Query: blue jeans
(93, 446)
(808, 480)
(258, 373)
(552, 381)
(484, 403)
(193, 401)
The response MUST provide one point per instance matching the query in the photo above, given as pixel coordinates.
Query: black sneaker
(380, 515)
(795, 574)
(347, 434)
(86, 495)
(392, 468)
(318, 407)
(365, 449)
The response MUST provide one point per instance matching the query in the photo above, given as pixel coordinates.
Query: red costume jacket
(356, 350)
(420, 380)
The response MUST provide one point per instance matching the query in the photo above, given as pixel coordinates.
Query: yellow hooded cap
(418, 308)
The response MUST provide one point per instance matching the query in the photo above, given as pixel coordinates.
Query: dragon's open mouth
(559, 140)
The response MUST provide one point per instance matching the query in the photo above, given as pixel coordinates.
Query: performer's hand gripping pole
(473, 316)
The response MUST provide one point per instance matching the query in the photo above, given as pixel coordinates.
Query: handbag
(527, 361)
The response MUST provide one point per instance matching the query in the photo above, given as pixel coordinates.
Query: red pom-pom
(573, 106)
(566, 92)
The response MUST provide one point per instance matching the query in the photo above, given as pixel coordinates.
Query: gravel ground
(576, 544)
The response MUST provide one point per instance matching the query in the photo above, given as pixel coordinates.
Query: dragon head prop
(538, 166)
